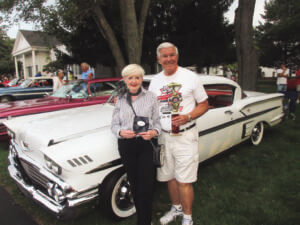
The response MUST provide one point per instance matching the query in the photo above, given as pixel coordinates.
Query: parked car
(4, 83)
(13, 83)
(67, 158)
(74, 94)
(35, 87)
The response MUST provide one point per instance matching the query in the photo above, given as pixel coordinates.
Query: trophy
(175, 100)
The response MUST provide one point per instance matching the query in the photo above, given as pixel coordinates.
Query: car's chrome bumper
(68, 200)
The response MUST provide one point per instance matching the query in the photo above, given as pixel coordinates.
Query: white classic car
(66, 158)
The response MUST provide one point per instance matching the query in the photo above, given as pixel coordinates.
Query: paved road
(11, 213)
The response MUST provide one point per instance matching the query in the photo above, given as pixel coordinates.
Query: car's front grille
(34, 174)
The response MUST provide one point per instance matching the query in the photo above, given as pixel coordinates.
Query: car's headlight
(51, 165)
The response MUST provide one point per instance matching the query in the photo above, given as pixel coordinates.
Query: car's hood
(36, 132)
(17, 108)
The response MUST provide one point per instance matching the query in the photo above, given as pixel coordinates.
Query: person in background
(228, 74)
(298, 84)
(282, 75)
(39, 74)
(58, 80)
(182, 99)
(71, 75)
(46, 73)
(87, 73)
(135, 148)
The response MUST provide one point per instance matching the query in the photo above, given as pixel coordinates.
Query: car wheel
(116, 197)
(257, 133)
(5, 99)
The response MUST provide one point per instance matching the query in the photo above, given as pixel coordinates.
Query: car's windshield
(13, 82)
(120, 89)
(75, 89)
(26, 83)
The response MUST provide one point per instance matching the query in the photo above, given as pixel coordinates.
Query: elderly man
(182, 99)
(86, 74)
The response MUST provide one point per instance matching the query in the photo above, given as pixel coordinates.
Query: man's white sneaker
(170, 216)
(187, 221)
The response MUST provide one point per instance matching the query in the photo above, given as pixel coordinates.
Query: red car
(74, 94)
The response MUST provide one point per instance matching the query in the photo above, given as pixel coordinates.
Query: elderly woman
(137, 107)
(58, 80)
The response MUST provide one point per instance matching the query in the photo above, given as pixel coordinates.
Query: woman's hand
(127, 134)
(149, 134)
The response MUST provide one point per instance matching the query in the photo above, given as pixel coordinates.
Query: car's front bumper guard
(73, 199)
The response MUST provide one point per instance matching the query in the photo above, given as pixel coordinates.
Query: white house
(34, 50)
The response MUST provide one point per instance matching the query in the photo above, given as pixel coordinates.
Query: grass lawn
(246, 186)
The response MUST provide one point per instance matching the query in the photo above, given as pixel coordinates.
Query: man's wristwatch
(189, 117)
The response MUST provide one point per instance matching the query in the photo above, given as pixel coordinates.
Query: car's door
(217, 126)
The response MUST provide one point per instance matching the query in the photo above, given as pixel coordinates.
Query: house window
(29, 71)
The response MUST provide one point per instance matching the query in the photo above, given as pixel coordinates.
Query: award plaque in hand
(140, 124)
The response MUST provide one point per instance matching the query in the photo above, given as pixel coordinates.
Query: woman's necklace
(135, 94)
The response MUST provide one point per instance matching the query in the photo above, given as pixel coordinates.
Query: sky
(259, 9)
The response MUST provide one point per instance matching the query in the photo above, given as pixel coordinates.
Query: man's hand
(180, 120)
(199, 110)
(127, 134)
(90, 76)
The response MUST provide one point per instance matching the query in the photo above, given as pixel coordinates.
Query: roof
(39, 38)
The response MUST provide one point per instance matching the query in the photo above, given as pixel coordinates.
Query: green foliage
(278, 39)
(197, 27)
(6, 62)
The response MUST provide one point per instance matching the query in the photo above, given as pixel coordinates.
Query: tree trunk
(110, 37)
(130, 30)
(246, 53)
(142, 21)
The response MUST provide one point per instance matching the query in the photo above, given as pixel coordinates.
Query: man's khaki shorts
(181, 157)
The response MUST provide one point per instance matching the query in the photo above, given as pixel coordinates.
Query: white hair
(165, 45)
(132, 69)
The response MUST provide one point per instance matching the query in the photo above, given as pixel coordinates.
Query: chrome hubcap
(256, 132)
(124, 199)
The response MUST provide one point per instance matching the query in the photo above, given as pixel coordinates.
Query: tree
(112, 32)
(6, 61)
(197, 27)
(131, 25)
(246, 53)
(278, 38)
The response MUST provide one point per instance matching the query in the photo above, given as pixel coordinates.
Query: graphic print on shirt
(170, 94)
(170, 99)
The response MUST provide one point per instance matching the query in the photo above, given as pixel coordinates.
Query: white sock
(178, 207)
(188, 217)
